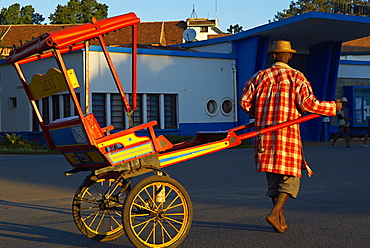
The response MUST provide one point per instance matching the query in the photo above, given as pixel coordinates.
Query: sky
(246, 13)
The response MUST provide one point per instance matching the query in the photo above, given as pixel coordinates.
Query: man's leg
(348, 136)
(281, 215)
(365, 139)
(337, 136)
(274, 218)
(280, 188)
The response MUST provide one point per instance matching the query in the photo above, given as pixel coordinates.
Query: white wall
(19, 119)
(225, 47)
(194, 79)
(354, 71)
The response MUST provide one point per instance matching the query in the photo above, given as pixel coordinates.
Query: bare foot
(275, 223)
(283, 222)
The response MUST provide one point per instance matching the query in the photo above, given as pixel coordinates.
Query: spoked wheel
(157, 213)
(97, 207)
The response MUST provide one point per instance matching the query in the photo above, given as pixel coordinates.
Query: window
(211, 107)
(137, 116)
(153, 108)
(67, 106)
(55, 105)
(170, 114)
(117, 111)
(159, 107)
(226, 106)
(204, 29)
(12, 102)
(45, 110)
(99, 108)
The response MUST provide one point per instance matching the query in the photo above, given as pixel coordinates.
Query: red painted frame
(71, 39)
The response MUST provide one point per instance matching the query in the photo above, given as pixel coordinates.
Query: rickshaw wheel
(157, 212)
(97, 207)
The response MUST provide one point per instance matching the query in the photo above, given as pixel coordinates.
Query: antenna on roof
(193, 13)
(216, 9)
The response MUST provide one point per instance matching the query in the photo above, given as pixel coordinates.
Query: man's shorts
(278, 183)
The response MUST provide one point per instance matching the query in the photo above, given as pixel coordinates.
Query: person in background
(272, 96)
(367, 134)
(343, 124)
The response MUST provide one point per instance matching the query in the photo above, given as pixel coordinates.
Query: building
(149, 33)
(203, 27)
(194, 86)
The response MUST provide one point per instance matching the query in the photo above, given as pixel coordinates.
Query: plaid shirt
(273, 96)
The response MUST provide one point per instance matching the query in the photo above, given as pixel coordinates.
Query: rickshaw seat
(63, 131)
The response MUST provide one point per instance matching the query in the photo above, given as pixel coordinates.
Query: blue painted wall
(322, 71)
(248, 52)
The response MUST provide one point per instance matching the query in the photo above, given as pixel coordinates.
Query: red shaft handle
(278, 126)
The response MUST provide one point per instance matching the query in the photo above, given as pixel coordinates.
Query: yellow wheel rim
(101, 217)
(159, 214)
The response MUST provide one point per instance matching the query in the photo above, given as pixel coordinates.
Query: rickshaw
(157, 210)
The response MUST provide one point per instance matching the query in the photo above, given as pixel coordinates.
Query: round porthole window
(227, 106)
(211, 107)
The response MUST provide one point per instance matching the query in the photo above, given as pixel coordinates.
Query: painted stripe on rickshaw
(176, 157)
(131, 153)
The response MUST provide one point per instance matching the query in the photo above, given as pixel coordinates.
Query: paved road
(332, 210)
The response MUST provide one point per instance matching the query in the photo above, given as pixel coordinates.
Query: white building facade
(184, 91)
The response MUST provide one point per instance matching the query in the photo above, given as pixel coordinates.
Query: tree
(78, 11)
(233, 29)
(14, 14)
(348, 7)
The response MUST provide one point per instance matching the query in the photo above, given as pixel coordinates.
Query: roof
(304, 30)
(200, 22)
(356, 46)
(64, 38)
(158, 33)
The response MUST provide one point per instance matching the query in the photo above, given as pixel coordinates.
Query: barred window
(159, 107)
(137, 116)
(99, 108)
(153, 109)
(117, 111)
(67, 106)
(45, 110)
(56, 105)
(170, 114)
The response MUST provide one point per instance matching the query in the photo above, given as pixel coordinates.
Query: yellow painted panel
(130, 153)
(125, 140)
(187, 154)
(51, 83)
(72, 158)
(96, 157)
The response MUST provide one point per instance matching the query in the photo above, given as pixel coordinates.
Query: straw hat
(281, 46)
(344, 99)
